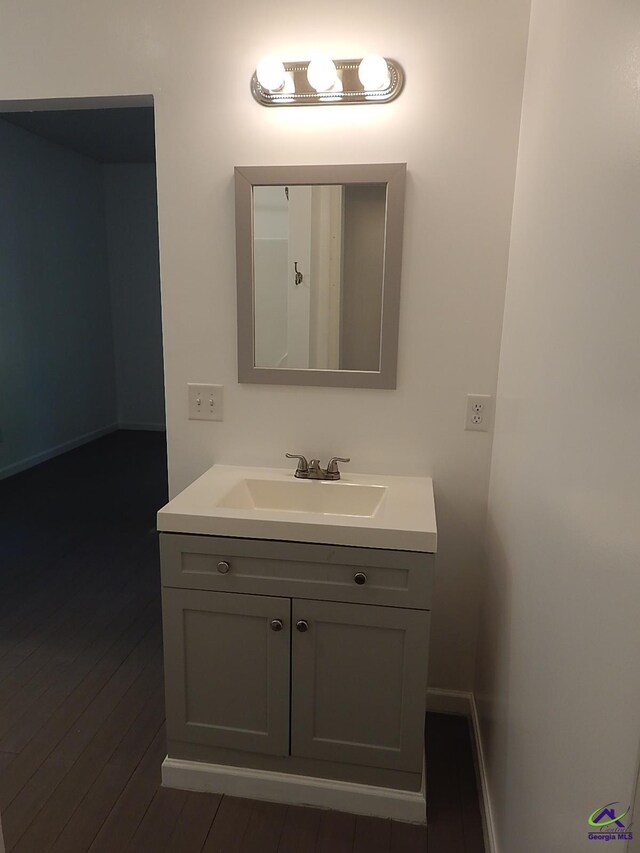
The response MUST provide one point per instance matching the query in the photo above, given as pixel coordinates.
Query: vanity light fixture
(322, 80)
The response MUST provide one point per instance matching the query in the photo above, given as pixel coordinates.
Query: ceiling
(112, 135)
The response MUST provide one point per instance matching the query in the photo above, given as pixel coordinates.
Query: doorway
(82, 470)
(80, 326)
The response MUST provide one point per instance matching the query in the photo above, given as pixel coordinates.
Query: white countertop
(405, 519)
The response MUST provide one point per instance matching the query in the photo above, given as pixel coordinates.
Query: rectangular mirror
(319, 251)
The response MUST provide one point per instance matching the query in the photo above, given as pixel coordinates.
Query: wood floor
(81, 692)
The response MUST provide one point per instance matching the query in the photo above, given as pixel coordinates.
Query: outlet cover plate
(205, 402)
(479, 413)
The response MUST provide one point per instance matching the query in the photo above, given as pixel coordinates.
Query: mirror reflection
(318, 275)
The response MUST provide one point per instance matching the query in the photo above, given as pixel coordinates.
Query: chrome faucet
(313, 471)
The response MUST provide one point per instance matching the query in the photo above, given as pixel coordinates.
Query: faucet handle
(303, 465)
(332, 466)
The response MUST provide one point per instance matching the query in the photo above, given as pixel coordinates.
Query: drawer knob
(276, 625)
(360, 578)
(223, 567)
(302, 625)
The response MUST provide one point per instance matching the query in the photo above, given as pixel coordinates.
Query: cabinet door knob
(360, 578)
(223, 567)
(302, 625)
(276, 625)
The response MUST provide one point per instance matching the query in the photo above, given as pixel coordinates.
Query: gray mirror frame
(246, 177)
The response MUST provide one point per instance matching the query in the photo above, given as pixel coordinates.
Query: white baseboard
(408, 806)
(464, 704)
(52, 452)
(143, 426)
(488, 826)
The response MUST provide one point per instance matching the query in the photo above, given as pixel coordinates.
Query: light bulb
(270, 73)
(322, 73)
(373, 72)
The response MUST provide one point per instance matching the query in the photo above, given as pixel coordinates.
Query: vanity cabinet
(297, 658)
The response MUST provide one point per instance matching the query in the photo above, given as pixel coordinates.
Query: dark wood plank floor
(81, 692)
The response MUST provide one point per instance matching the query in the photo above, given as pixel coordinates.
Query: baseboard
(464, 704)
(488, 826)
(52, 452)
(408, 806)
(141, 427)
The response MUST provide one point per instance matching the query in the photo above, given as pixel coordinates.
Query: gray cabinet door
(227, 670)
(359, 683)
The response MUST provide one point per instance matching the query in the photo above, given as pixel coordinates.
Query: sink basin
(361, 510)
(318, 496)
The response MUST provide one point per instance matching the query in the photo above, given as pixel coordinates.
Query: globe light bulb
(322, 73)
(373, 72)
(270, 73)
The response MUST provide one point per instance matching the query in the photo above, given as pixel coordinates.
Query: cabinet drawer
(297, 570)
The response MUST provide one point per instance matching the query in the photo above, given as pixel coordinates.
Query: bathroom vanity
(296, 638)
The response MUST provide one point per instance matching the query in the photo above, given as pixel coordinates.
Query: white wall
(559, 678)
(134, 277)
(56, 356)
(456, 126)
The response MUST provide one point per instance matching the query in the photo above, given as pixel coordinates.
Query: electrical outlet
(479, 412)
(205, 402)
